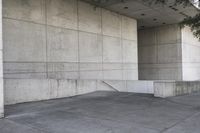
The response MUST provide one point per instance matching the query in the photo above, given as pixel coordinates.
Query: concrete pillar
(1, 66)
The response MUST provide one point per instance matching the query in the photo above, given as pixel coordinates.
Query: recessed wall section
(160, 53)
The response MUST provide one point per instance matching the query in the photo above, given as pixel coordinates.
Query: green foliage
(193, 23)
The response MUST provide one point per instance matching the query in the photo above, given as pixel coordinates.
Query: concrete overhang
(148, 15)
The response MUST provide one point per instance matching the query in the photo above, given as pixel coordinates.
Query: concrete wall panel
(130, 74)
(168, 34)
(28, 10)
(117, 85)
(140, 86)
(130, 86)
(191, 55)
(25, 90)
(188, 37)
(62, 13)
(111, 23)
(23, 41)
(66, 88)
(112, 49)
(24, 70)
(89, 18)
(112, 71)
(58, 70)
(62, 45)
(102, 86)
(86, 86)
(147, 37)
(175, 88)
(191, 73)
(90, 46)
(168, 71)
(91, 71)
(130, 54)
(130, 71)
(129, 28)
(147, 54)
(164, 89)
(169, 53)
(146, 73)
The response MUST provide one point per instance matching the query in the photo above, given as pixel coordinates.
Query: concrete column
(1, 66)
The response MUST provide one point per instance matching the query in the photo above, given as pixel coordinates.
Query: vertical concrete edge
(1, 83)
(181, 41)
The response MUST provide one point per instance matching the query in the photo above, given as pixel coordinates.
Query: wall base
(28, 90)
(175, 88)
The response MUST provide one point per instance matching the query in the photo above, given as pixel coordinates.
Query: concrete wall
(50, 40)
(40, 89)
(160, 53)
(191, 55)
(1, 67)
(169, 53)
(175, 88)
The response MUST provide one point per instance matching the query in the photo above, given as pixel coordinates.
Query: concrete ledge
(136, 86)
(27, 90)
(175, 88)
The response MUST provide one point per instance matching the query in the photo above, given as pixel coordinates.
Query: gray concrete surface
(70, 39)
(61, 48)
(40, 89)
(160, 53)
(105, 112)
(162, 13)
(175, 88)
(168, 53)
(46, 41)
(190, 55)
(1, 66)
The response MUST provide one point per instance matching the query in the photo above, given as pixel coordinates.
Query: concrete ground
(105, 112)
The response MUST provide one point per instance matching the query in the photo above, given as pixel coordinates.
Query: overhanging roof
(146, 14)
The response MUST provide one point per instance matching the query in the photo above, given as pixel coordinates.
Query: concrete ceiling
(148, 15)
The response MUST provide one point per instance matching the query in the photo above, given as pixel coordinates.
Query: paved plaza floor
(105, 112)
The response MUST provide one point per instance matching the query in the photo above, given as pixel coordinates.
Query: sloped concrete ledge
(28, 90)
(160, 88)
(136, 86)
